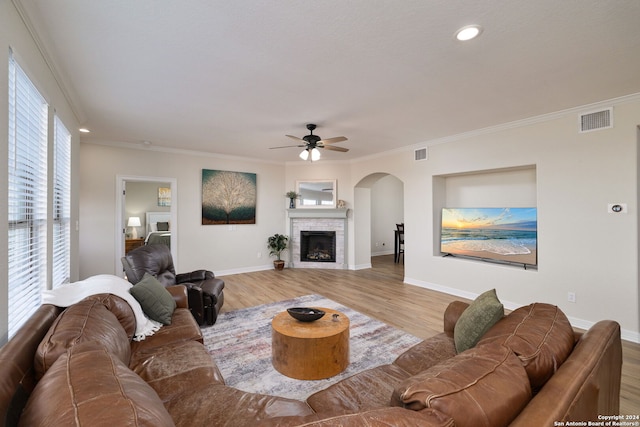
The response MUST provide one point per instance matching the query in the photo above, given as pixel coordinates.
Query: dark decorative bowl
(305, 314)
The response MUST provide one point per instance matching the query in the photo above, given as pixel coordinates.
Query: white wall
(582, 248)
(387, 208)
(361, 231)
(220, 248)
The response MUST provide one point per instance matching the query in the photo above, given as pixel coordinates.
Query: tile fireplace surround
(305, 219)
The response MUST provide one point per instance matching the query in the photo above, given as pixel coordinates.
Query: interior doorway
(378, 207)
(161, 197)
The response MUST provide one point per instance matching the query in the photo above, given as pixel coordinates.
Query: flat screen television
(497, 234)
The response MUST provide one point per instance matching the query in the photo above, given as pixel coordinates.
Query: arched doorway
(378, 207)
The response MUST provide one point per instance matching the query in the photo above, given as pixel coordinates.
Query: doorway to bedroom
(145, 214)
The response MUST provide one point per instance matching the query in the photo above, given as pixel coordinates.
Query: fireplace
(317, 220)
(317, 246)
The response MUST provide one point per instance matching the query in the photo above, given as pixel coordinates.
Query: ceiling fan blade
(296, 138)
(288, 146)
(331, 147)
(333, 140)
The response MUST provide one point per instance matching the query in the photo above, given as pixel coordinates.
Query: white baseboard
(439, 288)
(360, 266)
(632, 336)
(244, 270)
(381, 253)
(625, 334)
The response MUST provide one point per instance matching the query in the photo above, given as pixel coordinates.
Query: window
(61, 269)
(27, 196)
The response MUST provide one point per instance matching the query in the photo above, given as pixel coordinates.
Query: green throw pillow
(155, 299)
(476, 320)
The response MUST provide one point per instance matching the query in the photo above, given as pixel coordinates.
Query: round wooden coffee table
(310, 350)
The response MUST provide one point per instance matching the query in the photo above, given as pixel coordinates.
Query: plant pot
(278, 264)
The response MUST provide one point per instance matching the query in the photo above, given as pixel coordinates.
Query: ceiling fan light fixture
(313, 144)
(467, 33)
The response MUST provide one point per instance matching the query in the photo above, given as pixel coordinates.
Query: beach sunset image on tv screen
(502, 234)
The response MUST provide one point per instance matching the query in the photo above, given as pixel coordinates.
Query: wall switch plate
(617, 208)
(571, 296)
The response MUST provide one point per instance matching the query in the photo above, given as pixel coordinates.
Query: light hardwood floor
(380, 293)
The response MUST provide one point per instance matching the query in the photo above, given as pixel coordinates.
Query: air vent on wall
(420, 154)
(596, 120)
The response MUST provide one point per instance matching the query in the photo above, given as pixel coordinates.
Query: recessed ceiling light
(469, 32)
(84, 130)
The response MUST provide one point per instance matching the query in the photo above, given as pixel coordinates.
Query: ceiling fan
(311, 143)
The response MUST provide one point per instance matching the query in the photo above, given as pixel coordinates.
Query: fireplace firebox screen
(317, 246)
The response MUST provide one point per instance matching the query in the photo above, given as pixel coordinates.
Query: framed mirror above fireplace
(315, 194)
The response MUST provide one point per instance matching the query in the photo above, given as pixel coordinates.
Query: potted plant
(292, 196)
(276, 244)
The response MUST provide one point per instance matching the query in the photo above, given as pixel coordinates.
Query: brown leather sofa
(204, 289)
(80, 367)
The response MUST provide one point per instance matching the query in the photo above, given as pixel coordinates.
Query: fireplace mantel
(317, 213)
(318, 219)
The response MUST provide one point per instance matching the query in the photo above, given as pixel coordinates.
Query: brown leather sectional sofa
(80, 367)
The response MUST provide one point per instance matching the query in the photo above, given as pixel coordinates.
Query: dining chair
(399, 242)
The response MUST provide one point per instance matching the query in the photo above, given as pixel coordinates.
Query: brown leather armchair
(205, 291)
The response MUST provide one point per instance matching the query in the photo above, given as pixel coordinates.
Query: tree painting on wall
(228, 197)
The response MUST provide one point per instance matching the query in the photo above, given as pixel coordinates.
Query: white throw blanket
(71, 293)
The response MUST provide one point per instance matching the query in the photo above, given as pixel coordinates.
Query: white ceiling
(233, 77)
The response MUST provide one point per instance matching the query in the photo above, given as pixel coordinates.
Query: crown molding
(506, 126)
(409, 148)
(532, 120)
(49, 61)
(142, 147)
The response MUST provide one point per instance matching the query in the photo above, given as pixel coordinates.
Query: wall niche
(496, 188)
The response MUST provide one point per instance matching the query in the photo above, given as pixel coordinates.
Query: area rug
(240, 344)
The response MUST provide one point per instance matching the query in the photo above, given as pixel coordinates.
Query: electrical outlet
(259, 254)
(571, 296)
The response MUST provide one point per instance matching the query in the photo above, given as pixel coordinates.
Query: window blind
(61, 204)
(27, 196)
